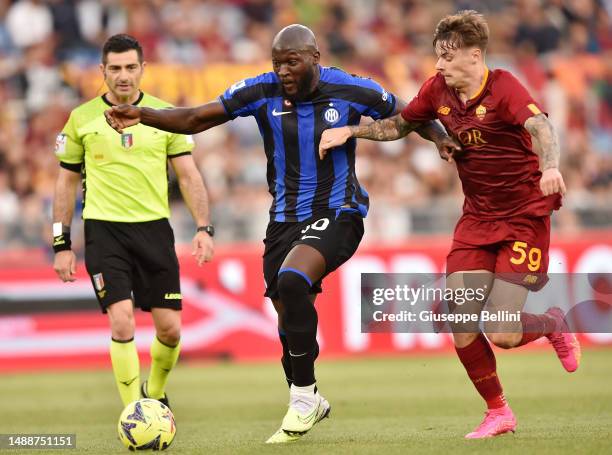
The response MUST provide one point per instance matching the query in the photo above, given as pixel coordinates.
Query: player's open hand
(448, 148)
(552, 182)
(331, 138)
(64, 265)
(122, 116)
(203, 248)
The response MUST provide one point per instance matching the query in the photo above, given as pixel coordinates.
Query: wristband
(61, 238)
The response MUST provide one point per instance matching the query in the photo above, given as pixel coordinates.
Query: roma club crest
(127, 140)
(481, 111)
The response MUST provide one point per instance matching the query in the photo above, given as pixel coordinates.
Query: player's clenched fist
(122, 116)
(331, 138)
(448, 148)
(552, 182)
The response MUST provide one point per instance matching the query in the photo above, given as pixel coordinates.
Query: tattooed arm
(546, 146)
(544, 140)
(389, 129)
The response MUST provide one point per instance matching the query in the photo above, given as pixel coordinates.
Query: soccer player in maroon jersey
(509, 171)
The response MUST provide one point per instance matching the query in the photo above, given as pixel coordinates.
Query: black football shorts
(133, 260)
(334, 233)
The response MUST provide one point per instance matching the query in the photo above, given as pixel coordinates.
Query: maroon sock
(535, 326)
(479, 362)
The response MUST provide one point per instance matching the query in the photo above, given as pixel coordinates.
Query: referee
(316, 218)
(129, 244)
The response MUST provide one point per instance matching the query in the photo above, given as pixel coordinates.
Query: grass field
(379, 405)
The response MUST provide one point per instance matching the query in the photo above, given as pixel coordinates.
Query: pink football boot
(497, 421)
(565, 343)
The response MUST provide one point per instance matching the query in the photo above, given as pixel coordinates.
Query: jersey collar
(485, 79)
(135, 103)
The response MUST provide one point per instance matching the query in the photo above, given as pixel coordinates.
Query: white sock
(302, 399)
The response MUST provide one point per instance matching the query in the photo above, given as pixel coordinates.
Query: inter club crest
(481, 111)
(127, 140)
(331, 115)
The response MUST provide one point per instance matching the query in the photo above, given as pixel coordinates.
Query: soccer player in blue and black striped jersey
(316, 218)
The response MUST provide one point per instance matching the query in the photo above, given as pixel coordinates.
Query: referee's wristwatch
(210, 229)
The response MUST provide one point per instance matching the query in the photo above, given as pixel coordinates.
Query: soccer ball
(146, 424)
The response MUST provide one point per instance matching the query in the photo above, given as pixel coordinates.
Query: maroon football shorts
(515, 249)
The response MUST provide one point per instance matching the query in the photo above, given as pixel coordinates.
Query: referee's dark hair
(121, 43)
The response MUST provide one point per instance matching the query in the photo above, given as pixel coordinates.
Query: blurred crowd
(560, 49)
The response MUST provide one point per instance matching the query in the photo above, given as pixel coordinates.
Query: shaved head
(295, 59)
(295, 37)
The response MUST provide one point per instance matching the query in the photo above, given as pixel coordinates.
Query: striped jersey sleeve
(379, 102)
(244, 97)
(367, 96)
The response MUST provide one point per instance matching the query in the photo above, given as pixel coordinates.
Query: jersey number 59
(534, 256)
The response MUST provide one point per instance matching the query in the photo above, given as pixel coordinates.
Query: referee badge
(60, 144)
(98, 281)
(127, 140)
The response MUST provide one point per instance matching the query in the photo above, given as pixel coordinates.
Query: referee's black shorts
(334, 233)
(133, 260)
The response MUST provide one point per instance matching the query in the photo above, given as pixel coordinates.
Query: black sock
(300, 323)
(302, 358)
(285, 359)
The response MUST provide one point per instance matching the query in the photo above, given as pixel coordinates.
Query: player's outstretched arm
(64, 200)
(196, 197)
(182, 120)
(390, 129)
(546, 145)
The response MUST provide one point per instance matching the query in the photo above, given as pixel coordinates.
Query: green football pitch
(379, 405)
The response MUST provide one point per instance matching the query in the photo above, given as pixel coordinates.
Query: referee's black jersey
(300, 183)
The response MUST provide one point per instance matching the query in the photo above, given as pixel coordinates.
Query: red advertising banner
(45, 323)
